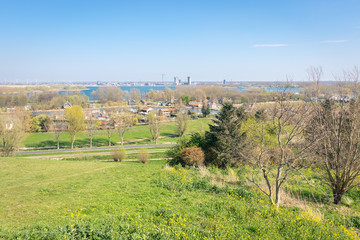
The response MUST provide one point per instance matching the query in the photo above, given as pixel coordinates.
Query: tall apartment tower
(189, 80)
(176, 81)
(224, 81)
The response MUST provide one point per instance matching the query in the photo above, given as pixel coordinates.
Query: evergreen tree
(225, 142)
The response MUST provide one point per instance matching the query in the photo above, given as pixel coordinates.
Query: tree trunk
(58, 143)
(109, 141)
(122, 140)
(337, 197)
(72, 142)
(91, 142)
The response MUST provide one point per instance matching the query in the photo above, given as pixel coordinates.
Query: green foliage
(226, 141)
(205, 110)
(35, 125)
(174, 154)
(44, 122)
(185, 99)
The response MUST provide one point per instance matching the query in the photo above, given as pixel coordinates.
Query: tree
(35, 124)
(182, 122)
(91, 127)
(225, 140)
(277, 148)
(11, 133)
(44, 122)
(109, 129)
(110, 93)
(76, 119)
(123, 125)
(154, 126)
(58, 127)
(338, 127)
(205, 110)
(185, 99)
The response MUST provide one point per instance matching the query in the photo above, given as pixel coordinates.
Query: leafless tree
(110, 126)
(58, 127)
(154, 126)
(125, 121)
(273, 136)
(11, 133)
(182, 122)
(91, 127)
(337, 123)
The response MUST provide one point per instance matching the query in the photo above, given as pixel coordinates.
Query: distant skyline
(258, 40)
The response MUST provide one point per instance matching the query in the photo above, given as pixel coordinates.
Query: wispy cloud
(269, 45)
(334, 41)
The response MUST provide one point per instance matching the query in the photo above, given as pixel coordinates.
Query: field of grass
(49, 199)
(140, 134)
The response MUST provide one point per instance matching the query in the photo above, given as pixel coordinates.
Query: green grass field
(140, 134)
(52, 199)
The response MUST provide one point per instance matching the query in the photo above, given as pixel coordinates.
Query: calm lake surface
(146, 89)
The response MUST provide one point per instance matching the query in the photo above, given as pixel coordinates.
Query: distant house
(145, 110)
(168, 111)
(66, 105)
(195, 104)
(212, 105)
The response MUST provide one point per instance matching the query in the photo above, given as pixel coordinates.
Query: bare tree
(314, 75)
(125, 121)
(277, 147)
(11, 133)
(337, 123)
(58, 127)
(182, 122)
(154, 126)
(110, 129)
(91, 127)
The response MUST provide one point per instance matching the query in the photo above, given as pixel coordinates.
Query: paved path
(93, 149)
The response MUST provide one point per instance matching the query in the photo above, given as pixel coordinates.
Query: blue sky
(258, 40)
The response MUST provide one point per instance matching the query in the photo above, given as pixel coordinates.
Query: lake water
(146, 89)
(143, 89)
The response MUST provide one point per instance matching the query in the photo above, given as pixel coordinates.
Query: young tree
(110, 125)
(154, 126)
(76, 119)
(11, 133)
(125, 121)
(276, 145)
(58, 127)
(205, 109)
(91, 127)
(182, 122)
(225, 140)
(35, 124)
(44, 122)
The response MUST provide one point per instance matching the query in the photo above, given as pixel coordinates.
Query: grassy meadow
(101, 199)
(137, 135)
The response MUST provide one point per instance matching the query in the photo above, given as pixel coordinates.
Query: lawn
(139, 134)
(51, 199)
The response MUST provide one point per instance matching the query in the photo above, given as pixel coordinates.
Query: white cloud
(334, 41)
(269, 45)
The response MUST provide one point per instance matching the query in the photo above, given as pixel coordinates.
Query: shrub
(119, 154)
(193, 156)
(143, 155)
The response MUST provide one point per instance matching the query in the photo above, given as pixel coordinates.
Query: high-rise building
(189, 80)
(176, 81)
(224, 81)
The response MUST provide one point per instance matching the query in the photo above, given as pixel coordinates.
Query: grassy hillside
(105, 200)
(138, 134)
